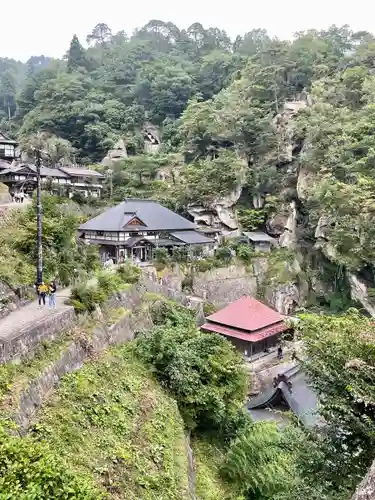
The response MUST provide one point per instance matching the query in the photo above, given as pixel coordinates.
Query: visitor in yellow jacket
(42, 290)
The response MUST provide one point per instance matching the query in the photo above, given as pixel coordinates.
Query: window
(7, 150)
(99, 233)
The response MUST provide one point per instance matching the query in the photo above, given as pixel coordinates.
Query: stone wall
(72, 359)
(25, 340)
(221, 286)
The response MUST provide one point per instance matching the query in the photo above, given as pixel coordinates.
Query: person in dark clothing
(52, 294)
(280, 352)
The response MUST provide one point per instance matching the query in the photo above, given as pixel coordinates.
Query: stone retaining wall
(72, 359)
(24, 341)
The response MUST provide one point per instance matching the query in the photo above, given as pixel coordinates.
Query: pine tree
(76, 55)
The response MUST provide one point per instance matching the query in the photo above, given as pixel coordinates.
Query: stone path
(28, 315)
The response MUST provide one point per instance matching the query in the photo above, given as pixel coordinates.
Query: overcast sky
(35, 27)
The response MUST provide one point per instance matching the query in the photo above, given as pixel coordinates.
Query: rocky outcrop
(359, 293)
(118, 153)
(288, 239)
(220, 213)
(284, 298)
(366, 490)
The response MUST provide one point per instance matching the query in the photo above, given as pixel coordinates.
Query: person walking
(22, 196)
(42, 292)
(52, 294)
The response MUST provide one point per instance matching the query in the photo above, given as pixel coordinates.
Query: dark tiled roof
(84, 172)
(246, 314)
(152, 214)
(4, 139)
(192, 238)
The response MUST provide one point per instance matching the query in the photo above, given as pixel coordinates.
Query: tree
(54, 149)
(76, 56)
(8, 90)
(202, 371)
(100, 35)
(340, 364)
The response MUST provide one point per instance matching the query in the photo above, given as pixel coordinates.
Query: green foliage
(129, 273)
(30, 469)
(85, 297)
(161, 255)
(223, 254)
(257, 464)
(111, 423)
(245, 253)
(63, 254)
(202, 371)
(339, 364)
(252, 219)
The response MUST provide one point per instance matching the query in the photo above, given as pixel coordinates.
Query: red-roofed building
(249, 324)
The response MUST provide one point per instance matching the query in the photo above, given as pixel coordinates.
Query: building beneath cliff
(61, 180)
(134, 228)
(249, 324)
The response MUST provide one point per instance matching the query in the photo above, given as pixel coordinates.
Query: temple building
(134, 228)
(62, 180)
(249, 324)
(7, 148)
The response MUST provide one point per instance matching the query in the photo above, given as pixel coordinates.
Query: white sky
(35, 27)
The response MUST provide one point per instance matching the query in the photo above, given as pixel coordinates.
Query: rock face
(359, 293)
(366, 490)
(284, 298)
(220, 213)
(118, 153)
(289, 237)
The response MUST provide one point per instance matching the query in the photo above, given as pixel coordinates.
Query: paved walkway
(26, 316)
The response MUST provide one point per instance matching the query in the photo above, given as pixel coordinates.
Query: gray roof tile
(152, 214)
(192, 238)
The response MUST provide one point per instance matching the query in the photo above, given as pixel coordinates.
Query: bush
(245, 253)
(201, 266)
(187, 283)
(208, 308)
(161, 255)
(204, 373)
(259, 448)
(129, 273)
(179, 254)
(29, 469)
(86, 297)
(223, 254)
(164, 312)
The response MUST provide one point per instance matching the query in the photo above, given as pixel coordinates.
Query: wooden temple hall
(134, 228)
(249, 324)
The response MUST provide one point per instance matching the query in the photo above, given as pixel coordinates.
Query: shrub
(161, 255)
(204, 265)
(129, 273)
(29, 469)
(204, 373)
(179, 254)
(187, 283)
(245, 253)
(208, 308)
(223, 254)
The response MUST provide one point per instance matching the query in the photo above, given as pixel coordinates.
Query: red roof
(260, 334)
(248, 314)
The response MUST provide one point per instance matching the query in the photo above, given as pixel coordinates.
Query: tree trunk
(366, 489)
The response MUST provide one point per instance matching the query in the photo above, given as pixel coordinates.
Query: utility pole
(39, 269)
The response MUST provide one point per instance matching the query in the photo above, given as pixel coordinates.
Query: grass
(209, 485)
(111, 421)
